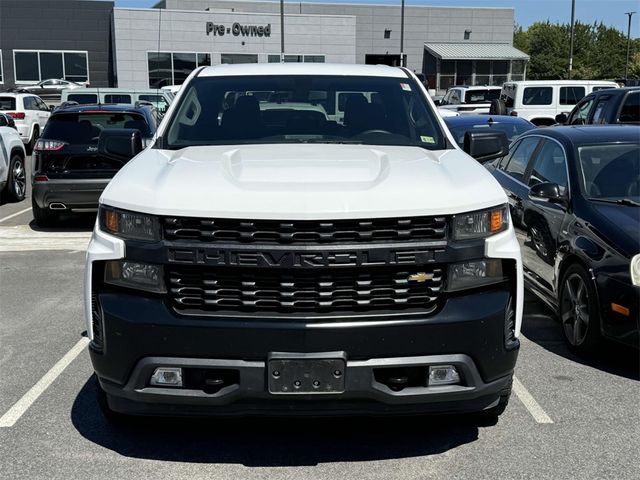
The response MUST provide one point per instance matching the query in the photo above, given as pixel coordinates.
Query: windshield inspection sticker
(406, 87)
(426, 139)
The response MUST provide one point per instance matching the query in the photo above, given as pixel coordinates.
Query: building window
(34, 66)
(387, 33)
(273, 58)
(173, 68)
(238, 58)
(467, 34)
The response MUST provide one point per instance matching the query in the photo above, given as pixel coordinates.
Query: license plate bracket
(306, 374)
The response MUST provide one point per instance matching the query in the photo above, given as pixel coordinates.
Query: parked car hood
(303, 181)
(618, 224)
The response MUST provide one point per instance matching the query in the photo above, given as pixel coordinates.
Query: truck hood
(302, 182)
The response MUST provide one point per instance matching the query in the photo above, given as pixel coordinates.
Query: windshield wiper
(621, 201)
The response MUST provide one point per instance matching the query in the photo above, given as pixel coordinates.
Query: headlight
(635, 270)
(476, 273)
(142, 276)
(129, 225)
(480, 224)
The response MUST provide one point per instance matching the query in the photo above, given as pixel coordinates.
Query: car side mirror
(120, 143)
(562, 118)
(486, 146)
(547, 191)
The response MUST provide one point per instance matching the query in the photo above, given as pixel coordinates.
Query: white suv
(467, 100)
(275, 261)
(539, 101)
(12, 173)
(29, 112)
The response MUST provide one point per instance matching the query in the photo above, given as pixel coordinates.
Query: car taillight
(48, 145)
(16, 115)
(513, 113)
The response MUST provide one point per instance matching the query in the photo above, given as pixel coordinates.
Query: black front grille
(305, 231)
(308, 292)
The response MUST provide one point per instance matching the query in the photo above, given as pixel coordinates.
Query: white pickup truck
(13, 182)
(279, 262)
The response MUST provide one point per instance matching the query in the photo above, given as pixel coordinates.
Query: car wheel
(578, 310)
(17, 179)
(497, 107)
(33, 140)
(43, 216)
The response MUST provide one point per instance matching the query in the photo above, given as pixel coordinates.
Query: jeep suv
(248, 263)
(29, 112)
(469, 100)
(69, 173)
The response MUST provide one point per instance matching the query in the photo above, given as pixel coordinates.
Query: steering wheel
(375, 130)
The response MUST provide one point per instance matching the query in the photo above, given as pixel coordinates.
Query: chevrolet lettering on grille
(299, 259)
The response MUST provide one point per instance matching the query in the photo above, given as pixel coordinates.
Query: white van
(539, 101)
(161, 99)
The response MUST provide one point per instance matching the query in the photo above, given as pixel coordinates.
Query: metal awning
(475, 51)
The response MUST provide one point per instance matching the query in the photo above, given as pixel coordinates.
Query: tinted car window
(610, 171)
(550, 166)
(3, 121)
(83, 98)
(30, 103)
(85, 128)
(41, 104)
(519, 160)
(7, 103)
(630, 112)
(571, 95)
(117, 98)
(537, 96)
(159, 102)
(481, 96)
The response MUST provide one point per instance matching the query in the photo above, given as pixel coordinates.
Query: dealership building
(94, 41)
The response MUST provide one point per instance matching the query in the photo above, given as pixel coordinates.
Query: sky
(611, 12)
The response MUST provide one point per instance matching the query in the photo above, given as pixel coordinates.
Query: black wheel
(578, 310)
(497, 107)
(43, 216)
(33, 140)
(17, 179)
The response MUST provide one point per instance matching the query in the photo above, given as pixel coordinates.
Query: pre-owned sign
(238, 30)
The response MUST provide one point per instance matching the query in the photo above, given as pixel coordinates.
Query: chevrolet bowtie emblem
(420, 277)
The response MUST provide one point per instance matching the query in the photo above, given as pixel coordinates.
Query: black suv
(611, 105)
(70, 168)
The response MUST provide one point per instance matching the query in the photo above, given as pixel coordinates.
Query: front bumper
(141, 334)
(75, 194)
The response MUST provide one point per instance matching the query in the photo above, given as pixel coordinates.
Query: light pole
(573, 18)
(402, 35)
(626, 68)
(281, 31)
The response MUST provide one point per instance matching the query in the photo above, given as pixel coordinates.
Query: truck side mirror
(486, 146)
(120, 143)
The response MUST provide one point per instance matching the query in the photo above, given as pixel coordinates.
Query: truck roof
(302, 69)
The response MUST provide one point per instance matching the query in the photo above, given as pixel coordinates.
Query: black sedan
(574, 194)
(511, 126)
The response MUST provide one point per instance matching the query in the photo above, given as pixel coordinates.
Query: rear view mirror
(120, 143)
(486, 146)
(561, 118)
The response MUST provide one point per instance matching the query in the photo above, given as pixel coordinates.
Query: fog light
(443, 375)
(167, 377)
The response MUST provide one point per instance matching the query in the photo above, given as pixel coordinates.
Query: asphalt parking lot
(569, 417)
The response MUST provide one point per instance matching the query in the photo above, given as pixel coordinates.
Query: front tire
(16, 181)
(43, 216)
(578, 310)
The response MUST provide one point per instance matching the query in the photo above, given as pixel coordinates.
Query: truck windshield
(303, 109)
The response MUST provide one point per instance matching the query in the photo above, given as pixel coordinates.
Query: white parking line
(22, 405)
(530, 403)
(9, 217)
